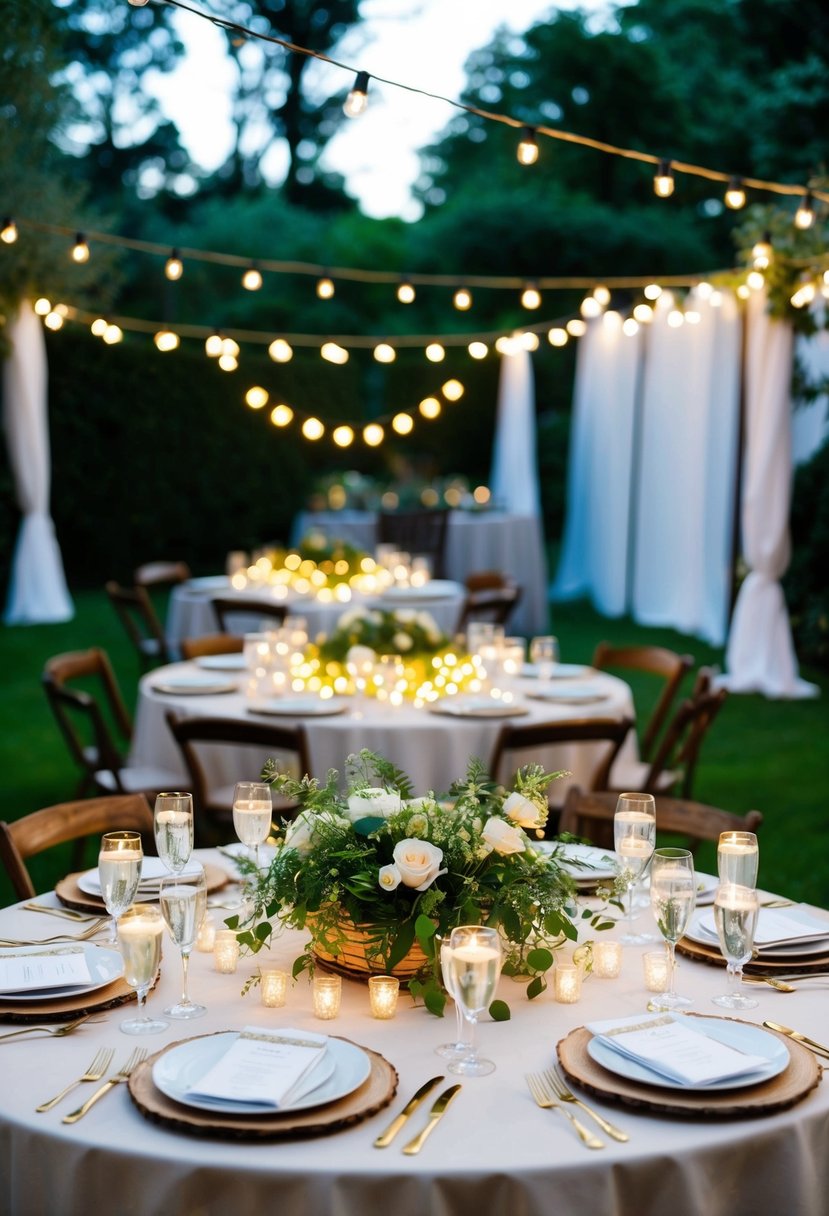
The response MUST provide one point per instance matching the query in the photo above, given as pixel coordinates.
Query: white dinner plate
(192, 686)
(222, 662)
(706, 887)
(209, 582)
(598, 864)
(740, 1035)
(105, 965)
(183, 1065)
(572, 694)
(153, 870)
(477, 707)
(785, 950)
(300, 707)
(561, 671)
(435, 589)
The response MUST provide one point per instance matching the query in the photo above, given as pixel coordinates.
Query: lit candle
(225, 951)
(567, 983)
(383, 991)
(206, 939)
(656, 966)
(274, 986)
(327, 993)
(607, 959)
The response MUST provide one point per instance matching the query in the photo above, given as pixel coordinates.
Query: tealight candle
(273, 988)
(327, 993)
(607, 959)
(382, 992)
(656, 966)
(206, 939)
(226, 951)
(567, 983)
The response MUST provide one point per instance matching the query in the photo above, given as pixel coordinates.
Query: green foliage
(806, 583)
(385, 632)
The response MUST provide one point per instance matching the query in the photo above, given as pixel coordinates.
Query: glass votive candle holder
(607, 960)
(567, 983)
(226, 952)
(206, 939)
(657, 965)
(273, 987)
(328, 991)
(383, 991)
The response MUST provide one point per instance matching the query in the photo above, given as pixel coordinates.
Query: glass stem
(671, 969)
(113, 930)
(734, 977)
(470, 1041)
(185, 959)
(459, 1026)
(141, 995)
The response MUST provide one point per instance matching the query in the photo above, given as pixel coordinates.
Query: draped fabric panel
(514, 477)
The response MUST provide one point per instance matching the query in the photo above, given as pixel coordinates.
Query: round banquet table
(495, 1152)
(191, 615)
(433, 748)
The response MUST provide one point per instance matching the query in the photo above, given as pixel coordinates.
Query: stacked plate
(782, 935)
(477, 707)
(196, 685)
(153, 870)
(47, 973)
(565, 693)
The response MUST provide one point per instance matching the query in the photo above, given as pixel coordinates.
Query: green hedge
(807, 581)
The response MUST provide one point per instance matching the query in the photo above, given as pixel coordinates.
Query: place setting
(185, 683)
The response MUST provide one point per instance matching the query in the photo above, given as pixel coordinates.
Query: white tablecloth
(495, 1151)
(191, 614)
(432, 748)
(484, 540)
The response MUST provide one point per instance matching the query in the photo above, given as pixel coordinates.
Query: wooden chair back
(160, 574)
(653, 660)
(417, 532)
(485, 580)
(678, 750)
(138, 616)
(228, 608)
(495, 604)
(516, 738)
(83, 717)
(591, 815)
(210, 644)
(54, 825)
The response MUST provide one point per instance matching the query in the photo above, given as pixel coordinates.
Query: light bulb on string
(601, 295)
(652, 291)
(478, 350)
(373, 434)
(282, 415)
(527, 150)
(113, 334)
(325, 288)
(590, 308)
(8, 232)
(630, 327)
(557, 336)
(430, 407)
(80, 250)
(805, 214)
(98, 327)
(228, 363)
(762, 252)
(756, 280)
(405, 292)
(343, 436)
(452, 390)
(174, 267)
(403, 424)
(435, 352)
(735, 195)
(166, 340)
(280, 351)
(333, 353)
(313, 429)
(663, 182)
(462, 299)
(384, 353)
(530, 340)
(213, 345)
(252, 278)
(643, 313)
(530, 296)
(44, 306)
(357, 100)
(576, 328)
(257, 397)
(53, 320)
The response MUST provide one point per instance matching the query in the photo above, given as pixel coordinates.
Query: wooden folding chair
(418, 532)
(138, 616)
(210, 644)
(495, 604)
(231, 607)
(658, 661)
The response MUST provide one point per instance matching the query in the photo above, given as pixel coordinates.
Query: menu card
(777, 926)
(262, 1067)
(63, 967)
(669, 1046)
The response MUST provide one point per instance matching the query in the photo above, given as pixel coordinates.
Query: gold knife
(819, 1048)
(435, 1115)
(385, 1138)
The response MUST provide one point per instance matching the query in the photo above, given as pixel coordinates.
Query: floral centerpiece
(402, 871)
(403, 631)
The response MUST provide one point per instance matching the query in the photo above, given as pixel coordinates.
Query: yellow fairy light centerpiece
(330, 570)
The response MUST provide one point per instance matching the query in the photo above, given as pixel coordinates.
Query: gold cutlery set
(100, 1063)
(550, 1092)
(436, 1113)
(820, 1049)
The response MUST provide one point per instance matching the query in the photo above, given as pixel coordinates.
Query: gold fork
(64, 1028)
(64, 913)
(96, 1070)
(559, 1087)
(543, 1099)
(123, 1074)
(83, 936)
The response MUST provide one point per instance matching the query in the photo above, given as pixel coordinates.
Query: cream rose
(502, 837)
(388, 877)
(402, 641)
(418, 863)
(299, 833)
(373, 802)
(522, 811)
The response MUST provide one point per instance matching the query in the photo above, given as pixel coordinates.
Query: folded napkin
(262, 1067)
(777, 926)
(672, 1047)
(46, 969)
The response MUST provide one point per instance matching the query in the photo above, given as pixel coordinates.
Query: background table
(494, 1152)
(475, 540)
(432, 748)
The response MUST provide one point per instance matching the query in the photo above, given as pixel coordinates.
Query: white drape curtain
(514, 477)
(37, 591)
(760, 655)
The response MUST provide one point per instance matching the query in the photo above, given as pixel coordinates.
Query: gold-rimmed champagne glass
(544, 654)
(139, 939)
(252, 813)
(738, 858)
(475, 965)
(459, 1048)
(183, 900)
(673, 895)
(634, 837)
(736, 909)
(173, 829)
(119, 872)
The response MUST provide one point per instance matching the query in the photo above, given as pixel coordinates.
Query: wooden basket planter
(358, 960)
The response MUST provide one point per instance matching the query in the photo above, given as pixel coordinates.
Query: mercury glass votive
(206, 939)
(657, 970)
(328, 991)
(273, 987)
(607, 959)
(383, 991)
(567, 983)
(226, 952)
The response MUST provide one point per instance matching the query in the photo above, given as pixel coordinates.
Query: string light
(601, 295)
(643, 313)
(756, 280)
(166, 340)
(527, 150)
(343, 436)
(675, 318)
(313, 429)
(53, 320)
(98, 327)
(530, 297)
(8, 232)
(228, 363)
(384, 353)
(735, 195)
(282, 415)
(334, 353)
(430, 407)
(462, 299)
(257, 397)
(357, 100)
(663, 182)
(43, 306)
(280, 351)
(805, 214)
(630, 327)
(478, 350)
(405, 292)
(762, 253)
(557, 336)
(452, 390)
(174, 267)
(213, 346)
(530, 340)
(435, 352)
(590, 307)
(325, 288)
(576, 328)
(373, 434)
(113, 334)
(80, 250)
(652, 291)
(403, 424)
(252, 278)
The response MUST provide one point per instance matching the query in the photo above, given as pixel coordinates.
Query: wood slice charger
(801, 963)
(372, 1096)
(71, 895)
(798, 1078)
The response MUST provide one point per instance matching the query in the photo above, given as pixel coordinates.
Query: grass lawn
(768, 755)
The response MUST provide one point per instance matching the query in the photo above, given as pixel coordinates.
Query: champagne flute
(139, 938)
(634, 837)
(544, 654)
(738, 858)
(736, 909)
(475, 965)
(252, 813)
(173, 829)
(460, 1048)
(119, 871)
(673, 895)
(183, 899)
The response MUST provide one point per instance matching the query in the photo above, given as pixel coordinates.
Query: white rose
(406, 616)
(349, 618)
(523, 812)
(299, 833)
(402, 641)
(502, 837)
(418, 825)
(418, 862)
(427, 622)
(388, 877)
(373, 802)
